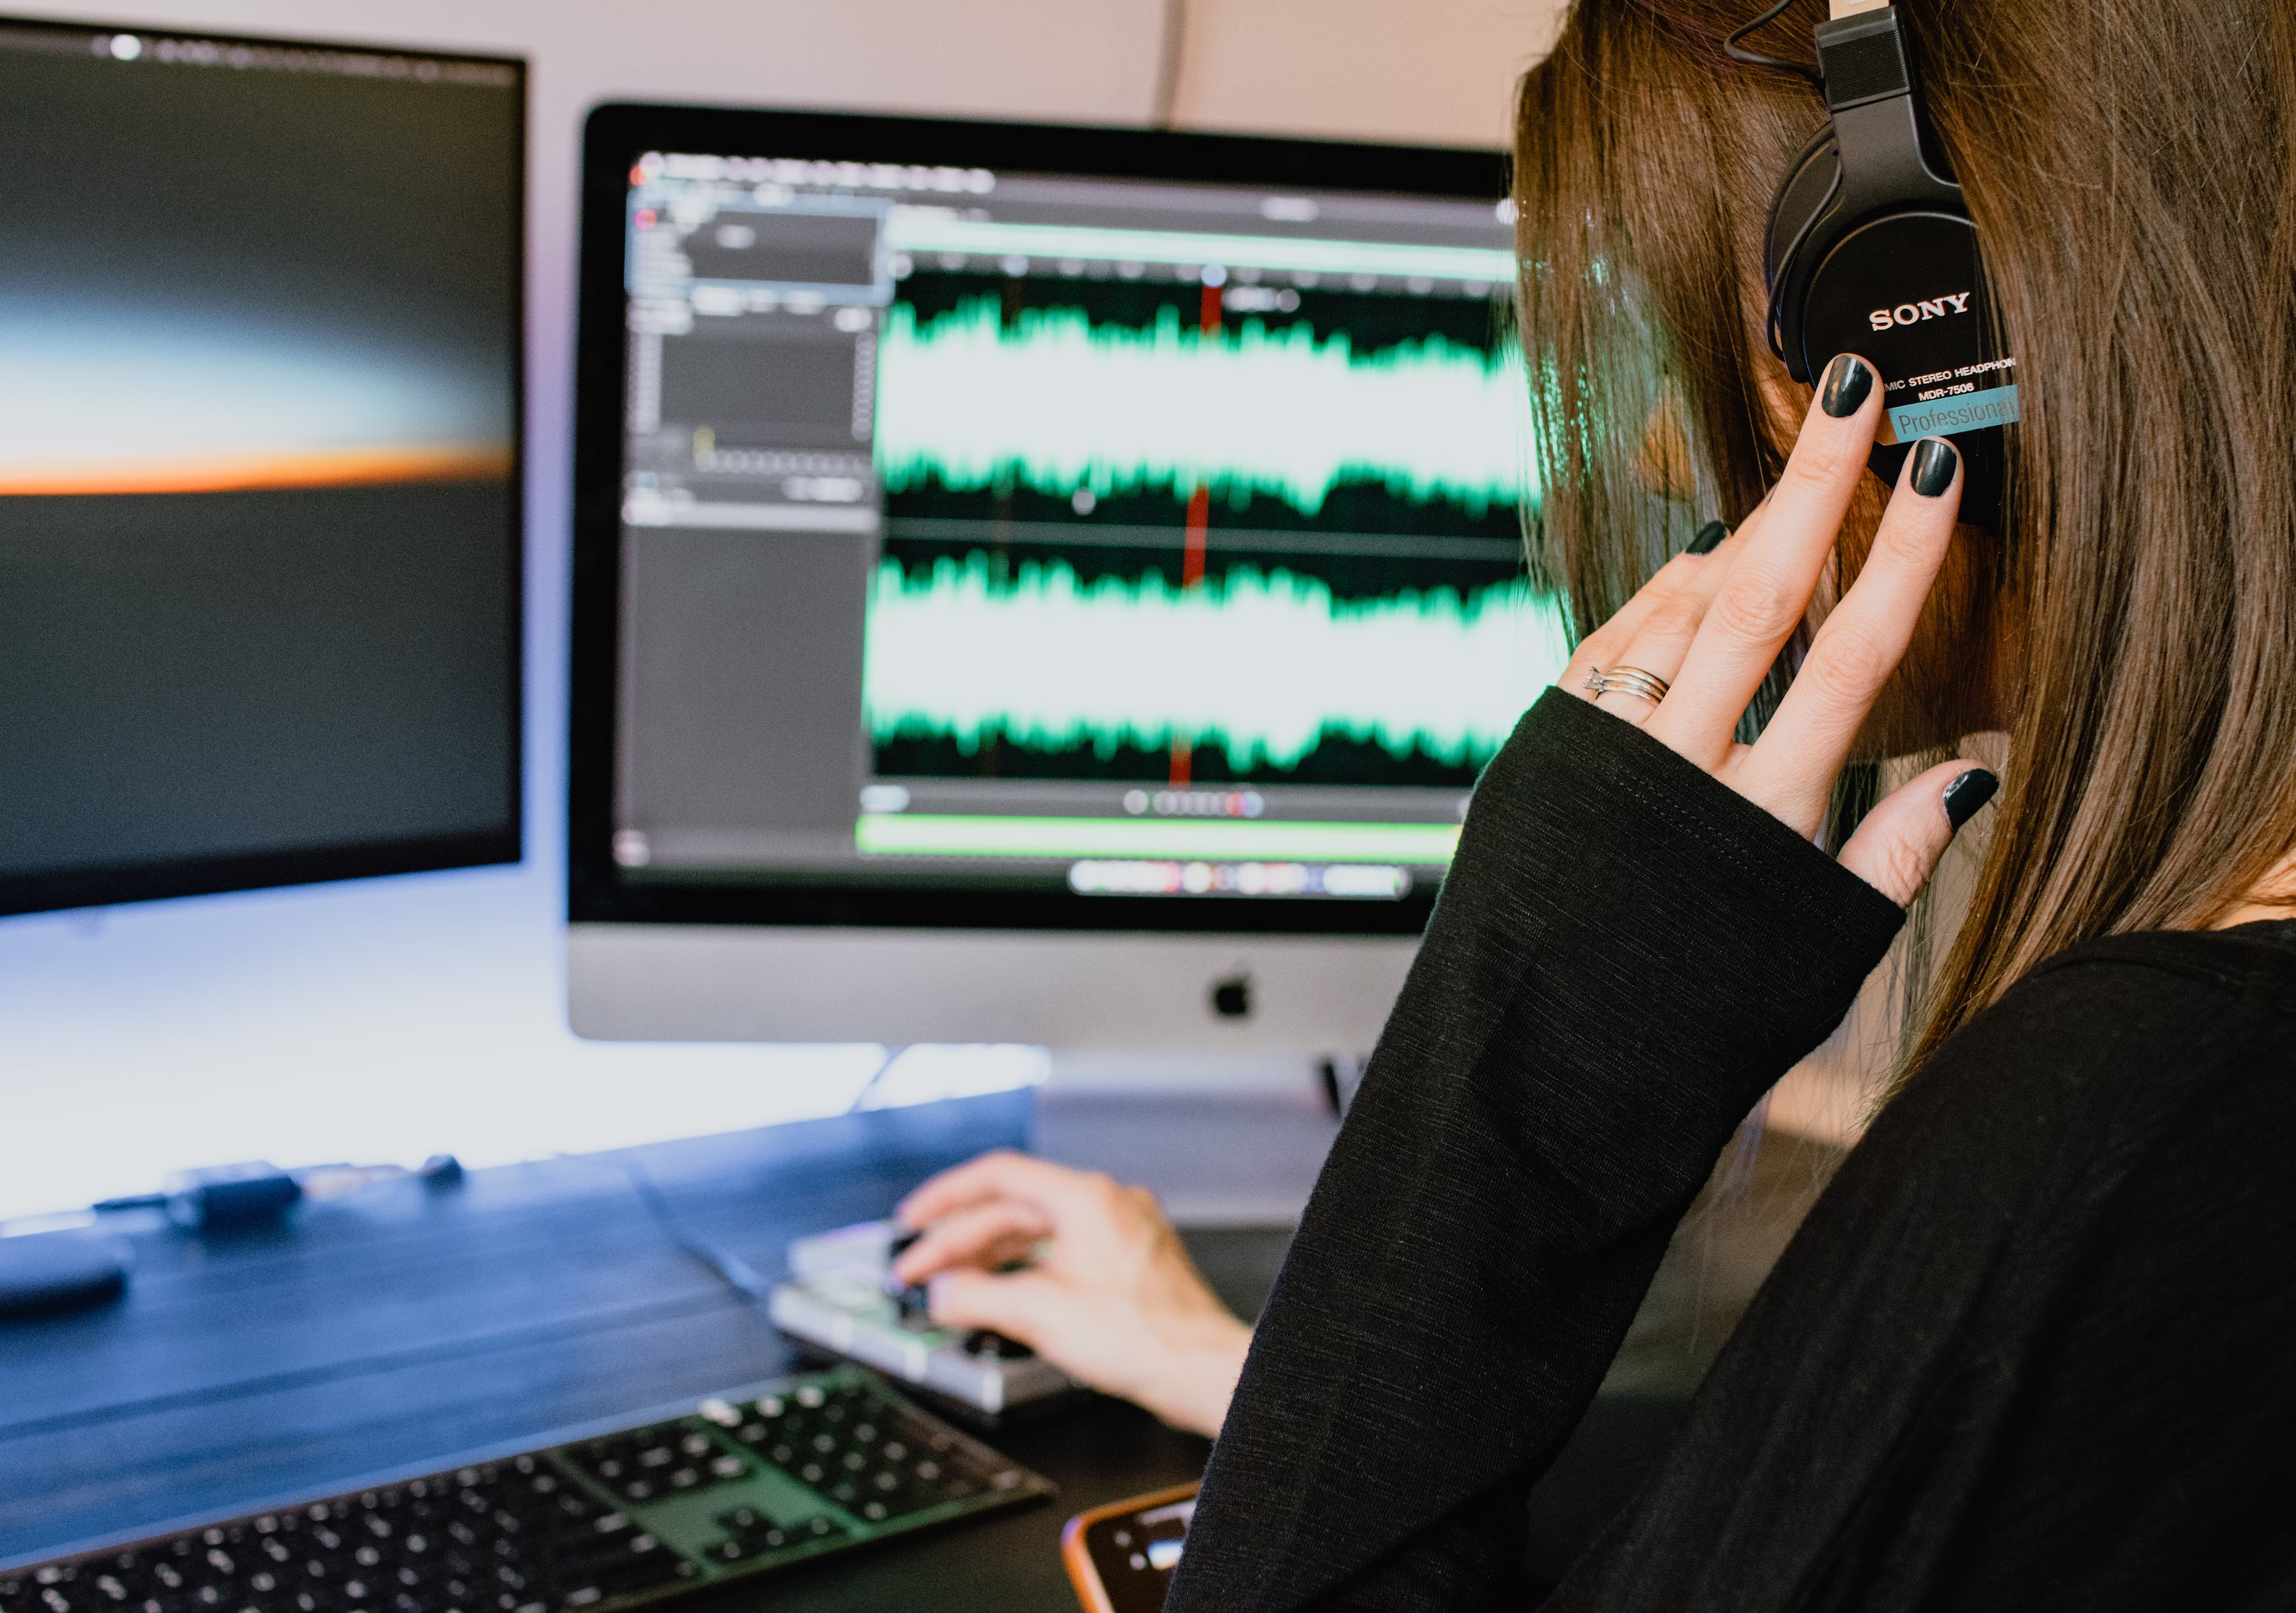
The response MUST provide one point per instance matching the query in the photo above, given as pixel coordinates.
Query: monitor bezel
(615, 135)
(112, 884)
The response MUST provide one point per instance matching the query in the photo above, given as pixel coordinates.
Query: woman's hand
(1110, 1296)
(1711, 626)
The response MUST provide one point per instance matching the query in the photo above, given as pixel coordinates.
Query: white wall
(1438, 72)
(388, 1019)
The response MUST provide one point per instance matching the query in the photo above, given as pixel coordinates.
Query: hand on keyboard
(1107, 1293)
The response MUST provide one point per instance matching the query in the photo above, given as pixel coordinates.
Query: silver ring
(1629, 680)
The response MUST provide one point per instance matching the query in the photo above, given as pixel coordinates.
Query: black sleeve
(1626, 955)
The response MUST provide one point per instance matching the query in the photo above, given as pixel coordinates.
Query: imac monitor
(259, 359)
(1033, 583)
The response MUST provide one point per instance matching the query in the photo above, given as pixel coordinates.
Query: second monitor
(1046, 584)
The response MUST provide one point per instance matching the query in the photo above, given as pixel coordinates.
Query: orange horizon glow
(276, 470)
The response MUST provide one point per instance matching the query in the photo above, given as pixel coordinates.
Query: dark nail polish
(1709, 539)
(1848, 380)
(1968, 793)
(1935, 460)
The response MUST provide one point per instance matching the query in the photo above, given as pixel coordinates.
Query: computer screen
(260, 310)
(1039, 528)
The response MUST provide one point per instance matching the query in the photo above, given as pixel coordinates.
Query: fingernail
(1934, 463)
(1848, 379)
(1968, 793)
(1710, 538)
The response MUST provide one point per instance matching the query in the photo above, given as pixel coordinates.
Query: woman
(2030, 1349)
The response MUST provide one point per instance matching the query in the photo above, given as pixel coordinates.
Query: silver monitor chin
(1069, 989)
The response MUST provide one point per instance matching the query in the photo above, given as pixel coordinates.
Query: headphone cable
(1732, 48)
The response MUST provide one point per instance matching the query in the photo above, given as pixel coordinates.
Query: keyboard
(841, 1298)
(740, 1485)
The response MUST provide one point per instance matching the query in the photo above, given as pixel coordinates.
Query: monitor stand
(1222, 1141)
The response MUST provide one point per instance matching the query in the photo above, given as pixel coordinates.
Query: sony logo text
(1914, 313)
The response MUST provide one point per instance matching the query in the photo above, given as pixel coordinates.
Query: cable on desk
(731, 1268)
(736, 1273)
(892, 1056)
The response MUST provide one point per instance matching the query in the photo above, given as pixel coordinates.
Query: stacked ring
(1627, 680)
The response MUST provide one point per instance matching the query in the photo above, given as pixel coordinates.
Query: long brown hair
(2129, 167)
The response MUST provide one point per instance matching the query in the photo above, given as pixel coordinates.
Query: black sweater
(2032, 1348)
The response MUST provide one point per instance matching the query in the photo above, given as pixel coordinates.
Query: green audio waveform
(1261, 665)
(1053, 404)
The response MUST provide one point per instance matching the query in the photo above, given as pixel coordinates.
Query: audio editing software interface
(1042, 532)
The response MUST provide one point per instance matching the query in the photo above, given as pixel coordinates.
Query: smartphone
(1120, 1557)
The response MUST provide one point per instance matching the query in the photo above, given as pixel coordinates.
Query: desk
(396, 1328)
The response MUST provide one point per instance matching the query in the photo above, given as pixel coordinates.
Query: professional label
(1964, 411)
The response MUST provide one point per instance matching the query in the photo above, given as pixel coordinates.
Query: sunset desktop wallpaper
(258, 371)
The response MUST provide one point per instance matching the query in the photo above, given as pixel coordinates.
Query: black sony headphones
(1871, 250)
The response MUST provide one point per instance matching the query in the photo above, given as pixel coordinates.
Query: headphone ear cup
(1809, 178)
(1809, 185)
(1907, 291)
